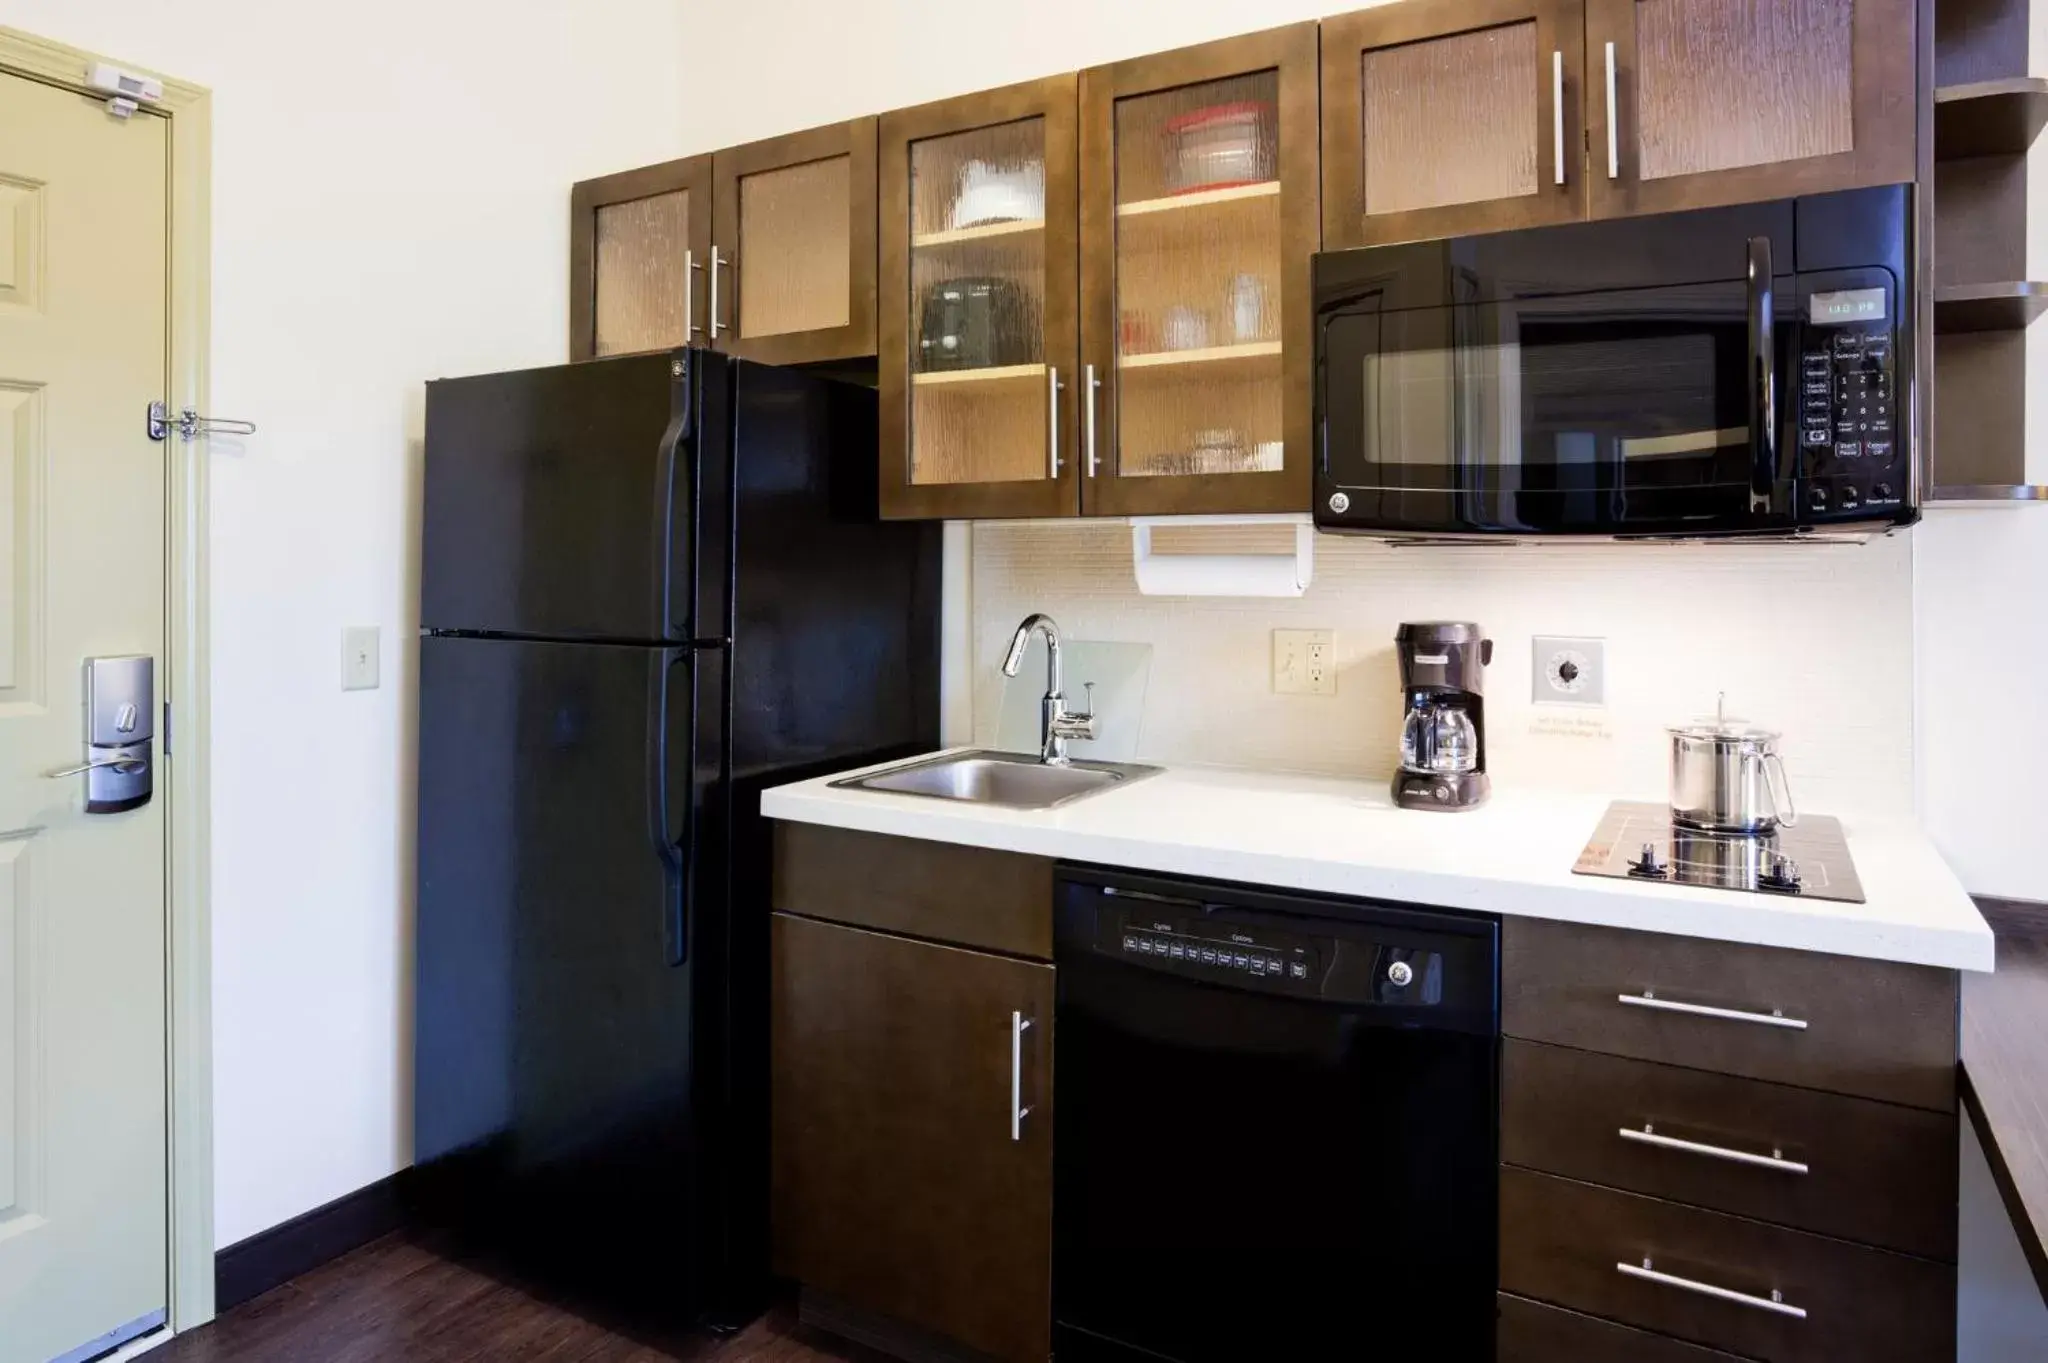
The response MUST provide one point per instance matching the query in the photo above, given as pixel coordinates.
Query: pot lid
(1721, 724)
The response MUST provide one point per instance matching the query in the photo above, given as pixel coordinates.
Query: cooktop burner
(1637, 841)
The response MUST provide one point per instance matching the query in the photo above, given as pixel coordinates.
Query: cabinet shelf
(1989, 118)
(987, 231)
(1988, 307)
(1201, 198)
(997, 374)
(1210, 361)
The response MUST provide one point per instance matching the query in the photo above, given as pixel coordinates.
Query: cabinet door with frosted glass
(976, 311)
(793, 246)
(1443, 118)
(1199, 216)
(639, 245)
(1695, 103)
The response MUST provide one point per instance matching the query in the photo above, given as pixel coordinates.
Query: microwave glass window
(1453, 120)
(979, 401)
(1727, 85)
(1549, 411)
(640, 289)
(1198, 380)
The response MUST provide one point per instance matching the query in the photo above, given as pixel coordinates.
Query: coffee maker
(1443, 729)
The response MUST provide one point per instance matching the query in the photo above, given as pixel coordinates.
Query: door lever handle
(125, 765)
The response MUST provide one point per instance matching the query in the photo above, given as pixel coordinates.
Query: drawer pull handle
(1775, 1303)
(1648, 999)
(1774, 1160)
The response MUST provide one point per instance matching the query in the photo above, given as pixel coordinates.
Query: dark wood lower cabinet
(1872, 1172)
(1531, 1332)
(1574, 1244)
(902, 1184)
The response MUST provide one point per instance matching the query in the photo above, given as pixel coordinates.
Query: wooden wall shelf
(1989, 118)
(1988, 307)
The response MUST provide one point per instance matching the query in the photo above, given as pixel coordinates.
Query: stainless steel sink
(1007, 780)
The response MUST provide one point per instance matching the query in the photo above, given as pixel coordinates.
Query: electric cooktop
(1638, 841)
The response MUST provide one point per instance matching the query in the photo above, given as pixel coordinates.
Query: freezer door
(558, 1031)
(561, 503)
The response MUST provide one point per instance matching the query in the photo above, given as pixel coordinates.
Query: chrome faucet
(1056, 724)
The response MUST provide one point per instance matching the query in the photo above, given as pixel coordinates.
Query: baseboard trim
(879, 1332)
(249, 1268)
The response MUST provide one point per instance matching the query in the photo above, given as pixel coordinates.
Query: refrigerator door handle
(677, 849)
(671, 464)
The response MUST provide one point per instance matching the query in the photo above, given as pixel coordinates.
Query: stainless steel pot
(1727, 776)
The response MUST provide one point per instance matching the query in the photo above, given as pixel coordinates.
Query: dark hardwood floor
(398, 1300)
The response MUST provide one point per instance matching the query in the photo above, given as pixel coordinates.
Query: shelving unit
(987, 376)
(1988, 111)
(987, 231)
(1210, 359)
(1201, 198)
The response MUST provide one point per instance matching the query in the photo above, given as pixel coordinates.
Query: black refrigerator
(651, 587)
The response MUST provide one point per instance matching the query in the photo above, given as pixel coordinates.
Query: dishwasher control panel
(1205, 941)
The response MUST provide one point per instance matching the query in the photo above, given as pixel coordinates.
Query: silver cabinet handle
(1557, 111)
(1052, 418)
(1774, 1160)
(1772, 1303)
(690, 268)
(1019, 1024)
(1089, 385)
(717, 263)
(1613, 125)
(1646, 999)
(126, 765)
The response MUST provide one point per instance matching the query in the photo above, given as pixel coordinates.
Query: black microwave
(1726, 371)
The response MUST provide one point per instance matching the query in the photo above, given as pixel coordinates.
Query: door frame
(188, 1060)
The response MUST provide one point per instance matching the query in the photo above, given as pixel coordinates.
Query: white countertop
(1513, 855)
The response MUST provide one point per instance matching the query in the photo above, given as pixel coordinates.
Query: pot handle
(1781, 790)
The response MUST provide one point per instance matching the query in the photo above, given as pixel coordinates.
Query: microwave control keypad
(1845, 395)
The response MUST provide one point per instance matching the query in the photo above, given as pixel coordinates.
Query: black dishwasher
(1275, 1126)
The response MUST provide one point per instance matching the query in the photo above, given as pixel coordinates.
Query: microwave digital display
(1847, 305)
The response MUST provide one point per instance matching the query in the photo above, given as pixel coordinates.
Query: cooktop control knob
(1400, 974)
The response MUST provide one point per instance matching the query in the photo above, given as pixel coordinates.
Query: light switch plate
(360, 670)
(1568, 671)
(1304, 662)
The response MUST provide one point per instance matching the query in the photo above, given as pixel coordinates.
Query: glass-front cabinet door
(1445, 118)
(976, 321)
(639, 242)
(793, 249)
(1199, 216)
(1696, 103)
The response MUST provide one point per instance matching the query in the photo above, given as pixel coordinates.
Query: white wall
(390, 204)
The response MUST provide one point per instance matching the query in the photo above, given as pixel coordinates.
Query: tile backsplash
(1814, 640)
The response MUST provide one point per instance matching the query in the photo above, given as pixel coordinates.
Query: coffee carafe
(1443, 729)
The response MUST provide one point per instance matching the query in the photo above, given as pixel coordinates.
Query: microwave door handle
(1762, 380)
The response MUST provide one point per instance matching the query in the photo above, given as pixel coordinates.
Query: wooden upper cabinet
(1728, 101)
(793, 243)
(977, 305)
(1199, 215)
(1444, 118)
(633, 238)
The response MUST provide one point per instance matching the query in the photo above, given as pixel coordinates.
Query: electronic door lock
(120, 734)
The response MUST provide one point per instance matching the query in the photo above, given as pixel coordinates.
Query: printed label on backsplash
(1590, 727)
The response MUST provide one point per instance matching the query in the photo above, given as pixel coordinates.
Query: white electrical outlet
(1568, 671)
(1304, 662)
(359, 665)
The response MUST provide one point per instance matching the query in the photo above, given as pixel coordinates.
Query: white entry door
(83, 1178)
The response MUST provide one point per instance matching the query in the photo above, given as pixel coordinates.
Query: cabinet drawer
(1531, 1332)
(998, 901)
(1874, 1029)
(1874, 1172)
(1582, 1247)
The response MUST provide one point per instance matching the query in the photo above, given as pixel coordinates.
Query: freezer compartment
(564, 503)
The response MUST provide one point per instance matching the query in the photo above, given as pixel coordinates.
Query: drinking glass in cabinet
(979, 400)
(1198, 258)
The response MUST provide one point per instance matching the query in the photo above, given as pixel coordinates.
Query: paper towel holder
(1270, 575)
